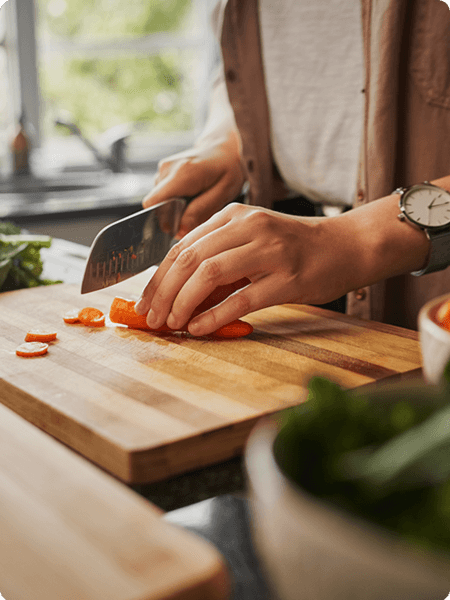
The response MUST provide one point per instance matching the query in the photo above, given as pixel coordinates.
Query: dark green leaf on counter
(20, 260)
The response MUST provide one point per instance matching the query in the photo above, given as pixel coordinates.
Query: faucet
(115, 137)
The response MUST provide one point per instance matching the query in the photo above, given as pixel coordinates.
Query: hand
(284, 258)
(212, 174)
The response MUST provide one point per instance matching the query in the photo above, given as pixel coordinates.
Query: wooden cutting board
(147, 407)
(70, 531)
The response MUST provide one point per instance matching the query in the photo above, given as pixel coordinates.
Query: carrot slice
(443, 315)
(41, 335)
(71, 316)
(92, 317)
(29, 349)
(235, 329)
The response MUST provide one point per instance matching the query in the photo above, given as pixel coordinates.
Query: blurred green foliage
(102, 92)
(94, 20)
(382, 455)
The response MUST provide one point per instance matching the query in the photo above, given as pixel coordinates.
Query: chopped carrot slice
(29, 349)
(92, 317)
(234, 329)
(443, 315)
(41, 335)
(71, 316)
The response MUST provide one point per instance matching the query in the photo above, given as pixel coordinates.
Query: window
(104, 63)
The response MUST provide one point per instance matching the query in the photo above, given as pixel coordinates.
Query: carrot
(41, 335)
(71, 316)
(443, 315)
(92, 317)
(234, 329)
(122, 311)
(29, 349)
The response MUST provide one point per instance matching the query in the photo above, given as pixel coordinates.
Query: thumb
(171, 182)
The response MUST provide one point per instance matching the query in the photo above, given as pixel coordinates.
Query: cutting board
(147, 407)
(71, 532)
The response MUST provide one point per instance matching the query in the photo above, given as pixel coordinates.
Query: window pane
(109, 62)
(101, 93)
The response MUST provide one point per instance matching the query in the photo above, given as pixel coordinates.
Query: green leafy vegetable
(20, 260)
(384, 455)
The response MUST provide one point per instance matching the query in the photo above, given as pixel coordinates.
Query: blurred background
(143, 64)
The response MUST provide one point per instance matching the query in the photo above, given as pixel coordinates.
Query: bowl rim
(426, 321)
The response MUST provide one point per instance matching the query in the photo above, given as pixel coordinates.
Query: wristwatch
(427, 206)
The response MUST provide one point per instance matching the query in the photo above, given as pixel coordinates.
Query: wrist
(385, 246)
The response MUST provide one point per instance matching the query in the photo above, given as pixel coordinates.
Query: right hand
(212, 174)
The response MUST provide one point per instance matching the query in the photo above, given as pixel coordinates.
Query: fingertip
(195, 328)
(140, 307)
(152, 320)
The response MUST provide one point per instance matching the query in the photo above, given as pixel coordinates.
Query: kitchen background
(140, 69)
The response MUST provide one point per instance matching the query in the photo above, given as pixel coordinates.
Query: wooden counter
(70, 531)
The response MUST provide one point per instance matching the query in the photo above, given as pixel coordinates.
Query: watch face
(428, 206)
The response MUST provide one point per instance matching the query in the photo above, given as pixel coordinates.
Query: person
(321, 141)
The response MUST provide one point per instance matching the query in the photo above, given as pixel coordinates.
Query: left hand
(283, 258)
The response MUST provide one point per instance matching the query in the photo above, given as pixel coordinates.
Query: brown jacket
(406, 135)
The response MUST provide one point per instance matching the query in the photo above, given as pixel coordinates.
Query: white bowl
(312, 551)
(434, 340)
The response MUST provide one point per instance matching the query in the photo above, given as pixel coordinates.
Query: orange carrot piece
(41, 335)
(235, 329)
(71, 316)
(29, 349)
(443, 315)
(92, 317)
(122, 311)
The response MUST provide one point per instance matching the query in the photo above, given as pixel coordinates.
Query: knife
(132, 245)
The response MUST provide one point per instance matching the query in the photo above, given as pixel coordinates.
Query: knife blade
(132, 245)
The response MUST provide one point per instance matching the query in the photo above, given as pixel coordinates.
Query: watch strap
(439, 257)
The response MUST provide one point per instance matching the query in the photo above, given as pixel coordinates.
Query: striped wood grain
(147, 407)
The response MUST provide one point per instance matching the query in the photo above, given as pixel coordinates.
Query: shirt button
(360, 294)
(250, 166)
(360, 195)
(231, 75)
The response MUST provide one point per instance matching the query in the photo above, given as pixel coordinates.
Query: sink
(33, 185)
(26, 199)
(43, 187)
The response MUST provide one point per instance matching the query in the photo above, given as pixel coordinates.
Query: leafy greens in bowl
(383, 455)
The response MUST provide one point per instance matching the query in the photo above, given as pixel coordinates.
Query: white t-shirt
(313, 63)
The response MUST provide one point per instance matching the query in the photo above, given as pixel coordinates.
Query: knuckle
(233, 209)
(259, 219)
(241, 303)
(175, 252)
(187, 257)
(210, 270)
